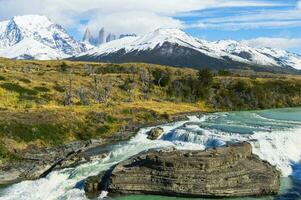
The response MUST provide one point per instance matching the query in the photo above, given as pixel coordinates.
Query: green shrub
(59, 88)
(50, 133)
(3, 152)
(205, 77)
(42, 89)
(25, 80)
(2, 78)
(64, 67)
(103, 130)
(19, 89)
(161, 77)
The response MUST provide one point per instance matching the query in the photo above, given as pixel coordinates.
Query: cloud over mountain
(122, 16)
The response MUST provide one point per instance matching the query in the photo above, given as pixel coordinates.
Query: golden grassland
(32, 110)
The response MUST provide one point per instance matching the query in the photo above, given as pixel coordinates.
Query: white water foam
(280, 148)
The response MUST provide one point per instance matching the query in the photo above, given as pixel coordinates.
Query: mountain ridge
(36, 37)
(165, 43)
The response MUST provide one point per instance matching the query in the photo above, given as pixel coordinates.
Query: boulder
(230, 171)
(155, 133)
(95, 185)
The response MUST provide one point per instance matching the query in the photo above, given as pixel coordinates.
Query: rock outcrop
(230, 171)
(37, 163)
(155, 133)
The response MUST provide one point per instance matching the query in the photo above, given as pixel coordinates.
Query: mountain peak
(168, 32)
(174, 47)
(32, 21)
(23, 35)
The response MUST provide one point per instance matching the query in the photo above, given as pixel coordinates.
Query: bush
(224, 72)
(64, 67)
(161, 77)
(59, 88)
(42, 89)
(2, 78)
(25, 80)
(17, 88)
(3, 152)
(205, 77)
(52, 133)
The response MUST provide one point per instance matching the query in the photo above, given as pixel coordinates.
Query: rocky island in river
(230, 171)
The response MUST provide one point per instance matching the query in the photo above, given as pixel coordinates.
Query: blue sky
(241, 19)
(274, 23)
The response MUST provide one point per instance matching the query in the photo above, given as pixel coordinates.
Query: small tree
(205, 77)
(68, 93)
(128, 86)
(103, 92)
(88, 70)
(224, 72)
(205, 80)
(145, 78)
(64, 67)
(106, 93)
(82, 93)
(161, 77)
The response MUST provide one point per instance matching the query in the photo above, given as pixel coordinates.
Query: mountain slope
(36, 37)
(176, 48)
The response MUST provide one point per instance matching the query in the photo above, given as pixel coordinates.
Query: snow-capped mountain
(174, 47)
(36, 37)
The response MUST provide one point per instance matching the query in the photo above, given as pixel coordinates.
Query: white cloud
(280, 43)
(233, 26)
(266, 18)
(138, 16)
(132, 22)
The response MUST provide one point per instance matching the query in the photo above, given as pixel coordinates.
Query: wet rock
(92, 186)
(231, 171)
(35, 163)
(95, 185)
(155, 133)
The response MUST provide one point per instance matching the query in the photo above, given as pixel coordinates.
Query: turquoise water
(275, 136)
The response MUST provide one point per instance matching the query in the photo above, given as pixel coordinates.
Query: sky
(271, 23)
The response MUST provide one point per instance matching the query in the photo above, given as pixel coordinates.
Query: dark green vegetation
(228, 93)
(53, 102)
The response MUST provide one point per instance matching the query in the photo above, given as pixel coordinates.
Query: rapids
(275, 136)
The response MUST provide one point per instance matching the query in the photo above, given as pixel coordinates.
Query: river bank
(34, 163)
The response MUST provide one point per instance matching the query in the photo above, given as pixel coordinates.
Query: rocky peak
(101, 37)
(87, 37)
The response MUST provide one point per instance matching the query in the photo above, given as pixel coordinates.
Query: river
(275, 136)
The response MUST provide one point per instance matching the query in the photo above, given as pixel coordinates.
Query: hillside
(47, 103)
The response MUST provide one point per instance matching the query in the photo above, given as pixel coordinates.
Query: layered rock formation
(36, 163)
(231, 171)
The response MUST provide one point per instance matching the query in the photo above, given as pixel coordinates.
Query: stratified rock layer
(230, 171)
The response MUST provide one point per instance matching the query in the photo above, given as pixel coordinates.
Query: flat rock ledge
(230, 171)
